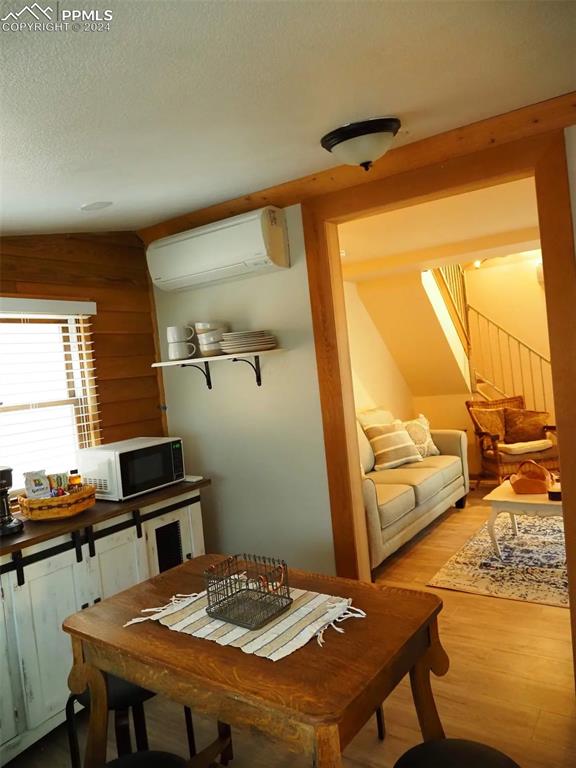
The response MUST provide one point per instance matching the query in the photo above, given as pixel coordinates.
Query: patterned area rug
(533, 566)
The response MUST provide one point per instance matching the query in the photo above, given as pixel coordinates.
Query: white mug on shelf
(179, 350)
(210, 337)
(176, 333)
(211, 325)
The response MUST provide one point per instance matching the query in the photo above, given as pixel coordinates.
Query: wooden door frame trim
(542, 157)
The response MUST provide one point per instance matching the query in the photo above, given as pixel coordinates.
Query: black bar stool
(221, 746)
(122, 697)
(454, 753)
(149, 760)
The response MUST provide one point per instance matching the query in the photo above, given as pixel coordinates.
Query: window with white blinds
(48, 397)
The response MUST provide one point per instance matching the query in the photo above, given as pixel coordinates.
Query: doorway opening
(492, 666)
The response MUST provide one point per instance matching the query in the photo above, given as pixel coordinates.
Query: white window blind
(48, 397)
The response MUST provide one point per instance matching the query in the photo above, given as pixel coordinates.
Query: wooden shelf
(213, 358)
(240, 357)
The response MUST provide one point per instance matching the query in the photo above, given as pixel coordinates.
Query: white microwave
(129, 468)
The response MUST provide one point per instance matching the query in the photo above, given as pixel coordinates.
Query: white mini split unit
(242, 246)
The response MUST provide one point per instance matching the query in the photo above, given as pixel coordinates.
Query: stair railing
(450, 282)
(508, 364)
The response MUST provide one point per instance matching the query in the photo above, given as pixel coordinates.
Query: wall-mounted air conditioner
(242, 246)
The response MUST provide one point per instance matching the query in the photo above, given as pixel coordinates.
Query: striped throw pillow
(392, 445)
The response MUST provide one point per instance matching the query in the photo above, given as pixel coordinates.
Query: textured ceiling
(456, 219)
(186, 103)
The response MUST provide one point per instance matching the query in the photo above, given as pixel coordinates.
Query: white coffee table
(503, 499)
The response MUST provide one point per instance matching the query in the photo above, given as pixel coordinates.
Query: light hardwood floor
(510, 683)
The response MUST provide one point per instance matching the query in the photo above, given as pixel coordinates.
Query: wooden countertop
(36, 532)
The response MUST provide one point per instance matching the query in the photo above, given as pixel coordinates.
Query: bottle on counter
(74, 481)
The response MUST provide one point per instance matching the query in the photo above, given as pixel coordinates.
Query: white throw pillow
(419, 431)
(392, 445)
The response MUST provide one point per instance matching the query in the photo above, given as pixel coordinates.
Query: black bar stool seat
(122, 697)
(149, 760)
(454, 753)
(121, 694)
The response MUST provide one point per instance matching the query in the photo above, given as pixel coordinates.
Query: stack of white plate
(247, 341)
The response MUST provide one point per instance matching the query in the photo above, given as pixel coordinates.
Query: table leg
(436, 660)
(327, 752)
(490, 526)
(428, 717)
(85, 675)
(514, 523)
(95, 755)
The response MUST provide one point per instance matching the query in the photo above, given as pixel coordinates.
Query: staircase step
(487, 391)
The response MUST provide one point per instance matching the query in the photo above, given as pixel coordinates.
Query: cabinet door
(170, 540)
(7, 703)
(119, 563)
(54, 589)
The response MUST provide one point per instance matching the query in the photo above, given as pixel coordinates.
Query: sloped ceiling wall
(400, 309)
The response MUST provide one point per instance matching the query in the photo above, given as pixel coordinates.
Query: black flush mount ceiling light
(362, 143)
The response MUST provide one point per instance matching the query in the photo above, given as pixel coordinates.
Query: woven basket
(58, 507)
(531, 478)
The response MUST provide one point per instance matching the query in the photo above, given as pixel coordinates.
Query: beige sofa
(401, 502)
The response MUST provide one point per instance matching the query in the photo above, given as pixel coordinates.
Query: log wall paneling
(109, 299)
(136, 366)
(120, 390)
(149, 428)
(129, 411)
(121, 344)
(109, 269)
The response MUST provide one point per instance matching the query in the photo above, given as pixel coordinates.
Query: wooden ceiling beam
(484, 246)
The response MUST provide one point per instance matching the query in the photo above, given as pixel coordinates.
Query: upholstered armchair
(501, 457)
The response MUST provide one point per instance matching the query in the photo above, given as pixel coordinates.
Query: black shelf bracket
(204, 371)
(255, 367)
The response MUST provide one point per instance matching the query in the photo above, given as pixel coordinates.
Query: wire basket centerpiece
(247, 590)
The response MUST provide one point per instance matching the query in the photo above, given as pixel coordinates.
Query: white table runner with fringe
(310, 614)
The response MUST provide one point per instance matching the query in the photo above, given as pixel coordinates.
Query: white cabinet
(35, 654)
(119, 563)
(8, 727)
(54, 589)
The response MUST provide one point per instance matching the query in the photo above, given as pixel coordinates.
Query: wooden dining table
(314, 701)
